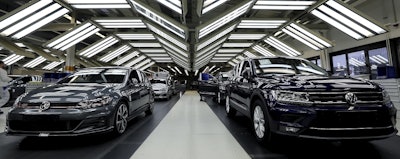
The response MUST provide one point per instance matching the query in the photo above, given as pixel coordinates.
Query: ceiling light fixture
(30, 17)
(158, 18)
(282, 46)
(212, 39)
(131, 63)
(231, 44)
(73, 36)
(126, 58)
(114, 53)
(35, 62)
(211, 4)
(246, 36)
(249, 54)
(226, 18)
(144, 44)
(187, 73)
(98, 46)
(169, 45)
(167, 36)
(12, 59)
(196, 72)
(142, 64)
(152, 50)
(307, 36)
(176, 68)
(261, 23)
(175, 5)
(283, 5)
(136, 36)
(115, 22)
(231, 63)
(215, 46)
(263, 51)
(147, 66)
(53, 65)
(230, 50)
(90, 4)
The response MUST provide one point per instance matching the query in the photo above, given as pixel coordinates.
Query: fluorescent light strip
(145, 44)
(172, 53)
(310, 34)
(53, 65)
(158, 19)
(231, 63)
(218, 61)
(295, 52)
(282, 5)
(206, 53)
(196, 72)
(177, 7)
(223, 20)
(147, 66)
(205, 69)
(216, 37)
(152, 50)
(161, 58)
(12, 59)
(115, 53)
(142, 63)
(136, 36)
(35, 62)
(279, 47)
(62, 37)
(126, 58)
(382, 58)
(187, 73)
(356, 17)
(230, 50)
(228, 44)
(224, 55)
(211, 68)
(131, 63)
(336, 24)
(86, 35)
(157, 55)
(31, 19)
(249, 54)
(24, 13)
(357, 62)
(101, 48)
(221, 58)
(373, 58)
(261, 23)
(378, 59)
(168, 37)
(345, 21)
(301, 39)
(215, 45)
(235, 61)
(86, 51)
(173, 47)
(246, 36)
(208, 5)
(100, 6)
(40, 23)
(176, 68)
(263, 50)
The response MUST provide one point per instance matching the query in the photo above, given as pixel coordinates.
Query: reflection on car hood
(66, 93)
(316, 82)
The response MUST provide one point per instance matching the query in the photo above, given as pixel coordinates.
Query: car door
(235, 94)
(133, 91)
(244, 87)
(146, 91)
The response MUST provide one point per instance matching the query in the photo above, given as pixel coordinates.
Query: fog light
(291, 129)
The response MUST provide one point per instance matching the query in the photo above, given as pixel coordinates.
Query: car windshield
(286, 66)
(158, 81)
(97, 76)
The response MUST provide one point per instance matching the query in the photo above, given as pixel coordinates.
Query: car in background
(92, 100)
(222, 80)
(18, 86)
(162, 85)
(294, 97)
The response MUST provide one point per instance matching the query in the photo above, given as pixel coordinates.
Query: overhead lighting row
(157, 18)
(347, 20)
(72, 37)
(230, 50)
(379, 59)
(264, 24)
(263, 51)
(211, 4)
(168, 37)
(216, 37)
(224, 20)
(114, 53)
(175, 5)
(145, 44)
(307, 36)
(120, 23)
(133, 62)
(232, 44)
(157, 55)
(169, 45)
(224, 55)
(283, 5)
(174, 54)
(288, 50)
(177, 69)
(142, 64)
(52, 65)
(30, 17)
(247, 36)
(136, 36)
(147, 66)
(249, 54)
(12, 59)
(98, 46)
(214, 45)
(35, 62)
(187, 73)
(126, 58)
(90, 4)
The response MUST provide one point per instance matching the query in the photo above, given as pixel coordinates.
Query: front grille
(338, 119)
(43, 123)
(350, 133)
(52, 105)
(338, 98)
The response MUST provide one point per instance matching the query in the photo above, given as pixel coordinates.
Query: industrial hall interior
(199, 79)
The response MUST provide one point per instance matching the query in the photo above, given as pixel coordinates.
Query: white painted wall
(380, 10)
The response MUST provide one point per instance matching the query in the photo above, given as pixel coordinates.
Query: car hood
(158, 86)
(67, 93)
(317, 82)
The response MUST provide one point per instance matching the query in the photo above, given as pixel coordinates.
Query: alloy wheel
(122, 118)
(259, 121)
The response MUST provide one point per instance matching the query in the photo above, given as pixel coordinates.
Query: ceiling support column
(70, 59)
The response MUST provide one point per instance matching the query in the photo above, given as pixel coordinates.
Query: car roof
(286, 57)
(109, 67)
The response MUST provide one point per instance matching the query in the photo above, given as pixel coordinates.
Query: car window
(134, 75)
(97, 76)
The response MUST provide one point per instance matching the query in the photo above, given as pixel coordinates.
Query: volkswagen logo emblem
(44, 106)
(351, 98)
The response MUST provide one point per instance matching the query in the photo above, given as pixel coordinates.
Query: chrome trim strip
(362, 128)
(239, 105)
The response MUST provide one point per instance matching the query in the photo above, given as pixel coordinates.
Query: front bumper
(334, 123)
(59, 122)
(161, 95)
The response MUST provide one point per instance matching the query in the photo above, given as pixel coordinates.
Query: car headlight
(291, 97)
(17, 102)
(93, 103)
(386, 97)
(164, 89)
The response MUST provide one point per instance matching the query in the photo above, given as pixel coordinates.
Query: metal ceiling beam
(42, 53)
(57, 27)
(14, 48)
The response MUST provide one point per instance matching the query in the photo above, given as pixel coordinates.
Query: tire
(230, 112)
(219, 98)
(150, 110)
(261, 128)
(121, 119)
